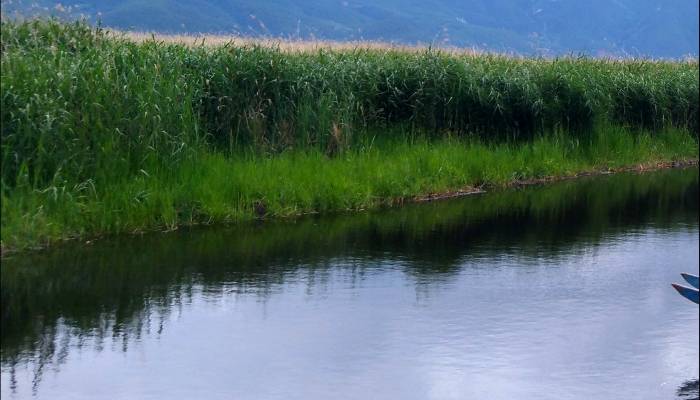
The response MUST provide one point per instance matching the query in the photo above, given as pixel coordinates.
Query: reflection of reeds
(689, 390)
(115, 291)
(53, 340)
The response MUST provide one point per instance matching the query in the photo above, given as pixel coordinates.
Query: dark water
(557, 292)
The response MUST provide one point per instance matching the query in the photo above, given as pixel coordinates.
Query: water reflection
(689, 390)
(118, 292)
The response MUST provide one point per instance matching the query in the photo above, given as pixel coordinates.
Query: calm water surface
(556, 292)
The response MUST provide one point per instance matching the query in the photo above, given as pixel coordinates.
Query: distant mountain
(651, 28)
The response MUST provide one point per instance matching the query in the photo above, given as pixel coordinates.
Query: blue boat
(692, 279)
(689, 293)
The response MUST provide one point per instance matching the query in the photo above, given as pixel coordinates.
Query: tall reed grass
(78, 103)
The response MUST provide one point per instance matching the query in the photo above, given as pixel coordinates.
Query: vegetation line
(287, 45)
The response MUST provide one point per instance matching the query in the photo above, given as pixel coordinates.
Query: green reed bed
(100, 134)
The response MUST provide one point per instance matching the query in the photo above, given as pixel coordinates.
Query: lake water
(554, 292)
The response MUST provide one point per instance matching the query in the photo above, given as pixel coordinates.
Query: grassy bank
(215, 188)
(105, 135)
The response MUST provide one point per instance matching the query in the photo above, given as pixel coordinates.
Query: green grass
(215, 188)
(103, 135)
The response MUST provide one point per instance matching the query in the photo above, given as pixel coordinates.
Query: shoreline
(385, 203)
(468, 191)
